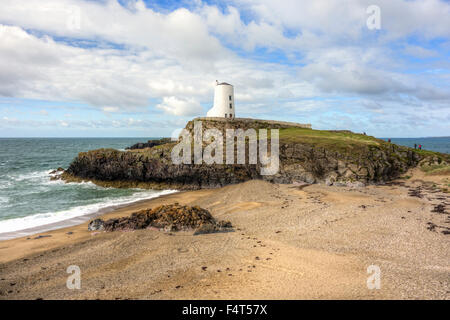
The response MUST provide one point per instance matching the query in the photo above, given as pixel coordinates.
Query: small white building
(223, 101)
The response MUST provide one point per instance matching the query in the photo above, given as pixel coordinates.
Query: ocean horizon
(437, 144)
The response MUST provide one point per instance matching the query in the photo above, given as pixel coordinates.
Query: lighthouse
(223, 101)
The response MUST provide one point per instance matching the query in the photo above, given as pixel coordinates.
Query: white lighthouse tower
(223, 101)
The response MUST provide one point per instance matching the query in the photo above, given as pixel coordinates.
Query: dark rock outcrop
(173, 217)
(149, 144)
(96, 225)
(59, 170)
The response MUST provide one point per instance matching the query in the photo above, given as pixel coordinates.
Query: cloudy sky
(143, 68)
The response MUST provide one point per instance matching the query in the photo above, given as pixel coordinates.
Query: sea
(438, 144)
(30, 202)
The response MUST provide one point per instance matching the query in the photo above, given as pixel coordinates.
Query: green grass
(299, 134)
(436, 169)
(341, 141)
(426, 153)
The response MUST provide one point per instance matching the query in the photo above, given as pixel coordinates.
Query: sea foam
(42, 219)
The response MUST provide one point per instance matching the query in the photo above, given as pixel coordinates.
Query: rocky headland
(306, 156)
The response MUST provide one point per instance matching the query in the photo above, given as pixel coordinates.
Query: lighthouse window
(231, 106)
(229, 97)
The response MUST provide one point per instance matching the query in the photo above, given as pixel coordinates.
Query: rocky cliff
(149, 144)
(306, 155)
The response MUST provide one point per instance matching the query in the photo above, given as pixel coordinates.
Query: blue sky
(73, 68)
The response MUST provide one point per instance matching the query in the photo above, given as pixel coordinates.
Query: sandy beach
(289, 242)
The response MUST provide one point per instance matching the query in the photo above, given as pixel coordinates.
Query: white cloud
(110, 109)
(336, 19)
(122, 80)
(419, 52)
(181, 107)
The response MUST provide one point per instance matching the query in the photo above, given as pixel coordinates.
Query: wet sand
(289, 242)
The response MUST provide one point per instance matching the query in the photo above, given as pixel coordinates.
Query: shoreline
(22, 245)
(74, 221)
